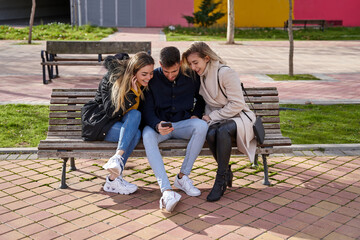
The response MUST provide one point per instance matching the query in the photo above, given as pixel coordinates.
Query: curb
(25, 150)
(295, 147)
(326, 147)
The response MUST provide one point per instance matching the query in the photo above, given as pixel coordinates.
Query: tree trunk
(230, 22)
(291, 40)
(31, 23)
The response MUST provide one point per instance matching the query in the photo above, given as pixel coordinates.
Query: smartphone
(166, 124)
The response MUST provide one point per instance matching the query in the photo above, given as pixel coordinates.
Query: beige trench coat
(218, 107)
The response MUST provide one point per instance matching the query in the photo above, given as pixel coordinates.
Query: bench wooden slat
(64, 90)
(58, 128)
(64, 115)
(77, 144)
(72, 63)
(65, 133)
(93, 58)
(70, 100)
(95, 154)
(65, 108)
(55, 121)
(96, 47)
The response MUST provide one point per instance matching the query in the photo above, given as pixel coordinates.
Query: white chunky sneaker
(130, 186)
(187, 186)
(169, 200)
(115, 165)
(116, 186)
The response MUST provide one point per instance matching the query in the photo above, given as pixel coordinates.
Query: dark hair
(169, 56)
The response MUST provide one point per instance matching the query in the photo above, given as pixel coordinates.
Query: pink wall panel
(346, 10)
(160, 13)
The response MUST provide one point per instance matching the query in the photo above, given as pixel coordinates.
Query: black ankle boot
(230, 176)
(218, 189)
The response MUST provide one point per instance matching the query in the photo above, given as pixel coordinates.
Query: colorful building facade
(255, 13)
(261, 13)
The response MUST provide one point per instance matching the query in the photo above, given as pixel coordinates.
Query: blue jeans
(193, 129)
(126, 132)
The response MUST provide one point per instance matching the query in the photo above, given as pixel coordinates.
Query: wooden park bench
(64, 133)
(306, 22)
(83, 53)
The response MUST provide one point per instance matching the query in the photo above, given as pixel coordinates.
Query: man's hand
(164, 130)
(193, 117)
(206, 118)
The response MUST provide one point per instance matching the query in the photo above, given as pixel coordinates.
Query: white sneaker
(187, 186)
(115, 165)
(116, 186)
(169, 200)
(130, 186)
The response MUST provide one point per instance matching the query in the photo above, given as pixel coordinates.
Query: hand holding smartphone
(166, 124)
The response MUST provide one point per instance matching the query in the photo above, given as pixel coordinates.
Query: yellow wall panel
(255, 13)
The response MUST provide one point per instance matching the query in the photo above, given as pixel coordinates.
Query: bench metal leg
(43, 67)
(72, 164)
(44, 75)
(266, 171)
(256, 163)
(51, 71)
(56, 68)
(63, 175)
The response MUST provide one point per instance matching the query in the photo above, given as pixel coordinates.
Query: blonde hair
(122, 76)
(203, 50)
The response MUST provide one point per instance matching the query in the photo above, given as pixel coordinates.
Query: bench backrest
(64, 118)
(96, 47)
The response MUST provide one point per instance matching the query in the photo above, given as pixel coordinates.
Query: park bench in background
(306, 23)
(81, 53)
(64, 133)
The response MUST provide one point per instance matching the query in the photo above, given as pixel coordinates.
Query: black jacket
(171, 101)
(97, 115)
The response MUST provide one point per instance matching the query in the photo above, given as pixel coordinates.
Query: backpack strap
(242, 86)
(219, 80)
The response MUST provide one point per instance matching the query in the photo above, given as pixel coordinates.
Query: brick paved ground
(315, 195)
(312, 197)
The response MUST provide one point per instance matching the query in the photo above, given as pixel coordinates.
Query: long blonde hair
(203, 50)
(122, 77)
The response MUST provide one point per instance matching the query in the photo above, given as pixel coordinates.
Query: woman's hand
(133, 83)
(206, 118)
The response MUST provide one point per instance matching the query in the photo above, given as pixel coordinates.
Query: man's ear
(160, 64)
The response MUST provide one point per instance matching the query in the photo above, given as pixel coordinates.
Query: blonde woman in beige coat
(226, 112)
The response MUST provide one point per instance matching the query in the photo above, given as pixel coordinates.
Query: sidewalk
(314, 192)
(311, 197)
(336, 62)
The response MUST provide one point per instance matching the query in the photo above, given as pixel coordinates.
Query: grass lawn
(316, 124)
(258, 34)
(285, 77)
(25, 125)
(56, 31)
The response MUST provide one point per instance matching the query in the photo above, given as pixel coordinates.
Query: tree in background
(291, 40)
(31, 23)
(207, 15)
(230, 22)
